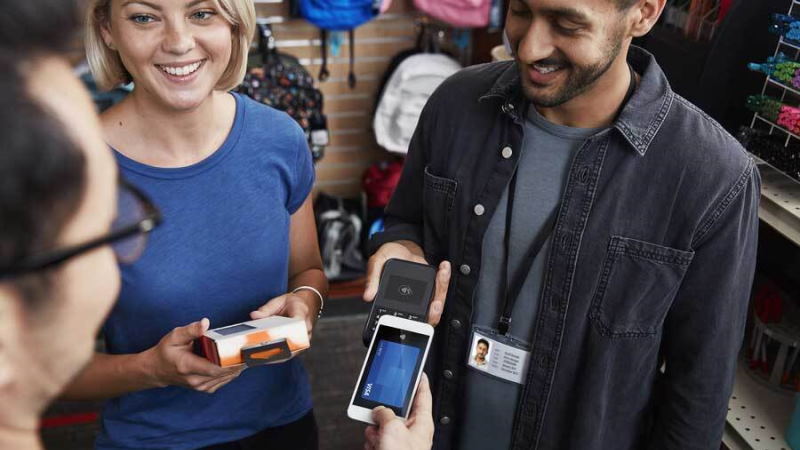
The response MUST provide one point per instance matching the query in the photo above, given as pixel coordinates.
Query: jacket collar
(639, 120)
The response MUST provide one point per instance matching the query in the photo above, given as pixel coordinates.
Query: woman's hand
(390, 433)
(172, 363)
(300, 305)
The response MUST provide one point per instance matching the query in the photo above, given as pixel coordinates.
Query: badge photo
(480, 354)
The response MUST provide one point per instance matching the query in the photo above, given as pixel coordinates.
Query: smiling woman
(232, 178)
(108, 68)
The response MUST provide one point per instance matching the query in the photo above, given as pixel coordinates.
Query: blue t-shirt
(221, 252)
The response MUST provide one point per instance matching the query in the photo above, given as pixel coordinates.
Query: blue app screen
(390, 375)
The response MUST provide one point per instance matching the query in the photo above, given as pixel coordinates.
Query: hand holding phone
(390, 433)
(391, 371)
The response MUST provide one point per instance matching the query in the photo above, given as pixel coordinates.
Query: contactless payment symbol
(405, 290)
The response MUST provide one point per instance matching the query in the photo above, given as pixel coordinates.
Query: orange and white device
(264, 341)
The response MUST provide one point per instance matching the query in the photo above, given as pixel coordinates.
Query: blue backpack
(338, 15)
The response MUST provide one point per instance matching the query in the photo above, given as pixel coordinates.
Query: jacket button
(507, 152)
(584, 174)
(455, 323)
(448, 374)
(564, 241)
(465, 269)
(444, 420)
(479, 209)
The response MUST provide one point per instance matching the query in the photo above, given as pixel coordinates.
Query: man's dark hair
(41, 168)
(484, 342)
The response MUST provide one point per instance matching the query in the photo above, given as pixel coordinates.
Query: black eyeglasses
(136, 217)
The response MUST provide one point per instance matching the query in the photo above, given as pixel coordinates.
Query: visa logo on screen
(367, 390)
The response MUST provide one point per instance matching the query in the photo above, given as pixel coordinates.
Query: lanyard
(515, 283)
(511, 295)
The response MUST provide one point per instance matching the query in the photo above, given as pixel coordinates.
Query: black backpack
(283, 83)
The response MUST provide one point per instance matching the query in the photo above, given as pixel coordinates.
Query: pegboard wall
(352, 145)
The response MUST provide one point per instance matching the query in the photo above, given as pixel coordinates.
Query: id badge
(497, 355)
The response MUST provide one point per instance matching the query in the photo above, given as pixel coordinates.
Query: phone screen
(391, 371)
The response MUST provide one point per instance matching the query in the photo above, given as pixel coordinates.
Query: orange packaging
(256, 342)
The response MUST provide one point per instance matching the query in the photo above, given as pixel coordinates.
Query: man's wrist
(410, 246)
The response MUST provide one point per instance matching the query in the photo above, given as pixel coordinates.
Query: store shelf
(758, 414)
(775, 126)
(783, 86)
(786, 43)
(780, 201)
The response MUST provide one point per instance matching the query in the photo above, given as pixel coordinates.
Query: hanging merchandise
(283, 83)
(339, 15)
(340, 228)
(405, 95)
(379, 182)
(459, 13)
(496, 18)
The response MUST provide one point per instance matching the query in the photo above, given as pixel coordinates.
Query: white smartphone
(392, 368)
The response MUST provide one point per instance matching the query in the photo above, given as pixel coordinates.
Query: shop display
(772, 149)
(779, 68)
(786, 26)
(406, 94)
(767, 107)
(282, 82)
(774, 133)
(459, 13)
(330, 15)
(774, 344)
(340, 228)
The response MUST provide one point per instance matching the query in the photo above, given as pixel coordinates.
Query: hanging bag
(339, 15)
(283, 83)
(459, 13)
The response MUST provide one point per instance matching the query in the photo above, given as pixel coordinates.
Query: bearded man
(602, 235)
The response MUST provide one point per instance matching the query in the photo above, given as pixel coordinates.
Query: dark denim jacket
(652, 263)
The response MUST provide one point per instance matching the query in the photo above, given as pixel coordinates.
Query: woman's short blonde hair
(107, 67)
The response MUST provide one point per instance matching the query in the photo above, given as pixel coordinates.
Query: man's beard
(579, 80)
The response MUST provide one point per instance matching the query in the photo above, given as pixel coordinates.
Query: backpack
(339, 15)
(404, 96)
(459, 13)
(340, 231)
(283, 83)
(379, 182)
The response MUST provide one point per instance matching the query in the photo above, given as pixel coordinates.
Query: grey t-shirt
(548, 150)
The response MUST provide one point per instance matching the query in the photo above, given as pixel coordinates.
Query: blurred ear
(10, 323)
(105, 31)
(644, 15)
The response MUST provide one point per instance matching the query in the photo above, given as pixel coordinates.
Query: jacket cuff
(398, 232)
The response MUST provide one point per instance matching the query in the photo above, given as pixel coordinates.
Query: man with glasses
(59, 211)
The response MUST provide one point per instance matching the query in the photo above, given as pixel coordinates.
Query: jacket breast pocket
(637, 284)
(438, 198)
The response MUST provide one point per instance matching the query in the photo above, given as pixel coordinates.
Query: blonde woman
(233, 180)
